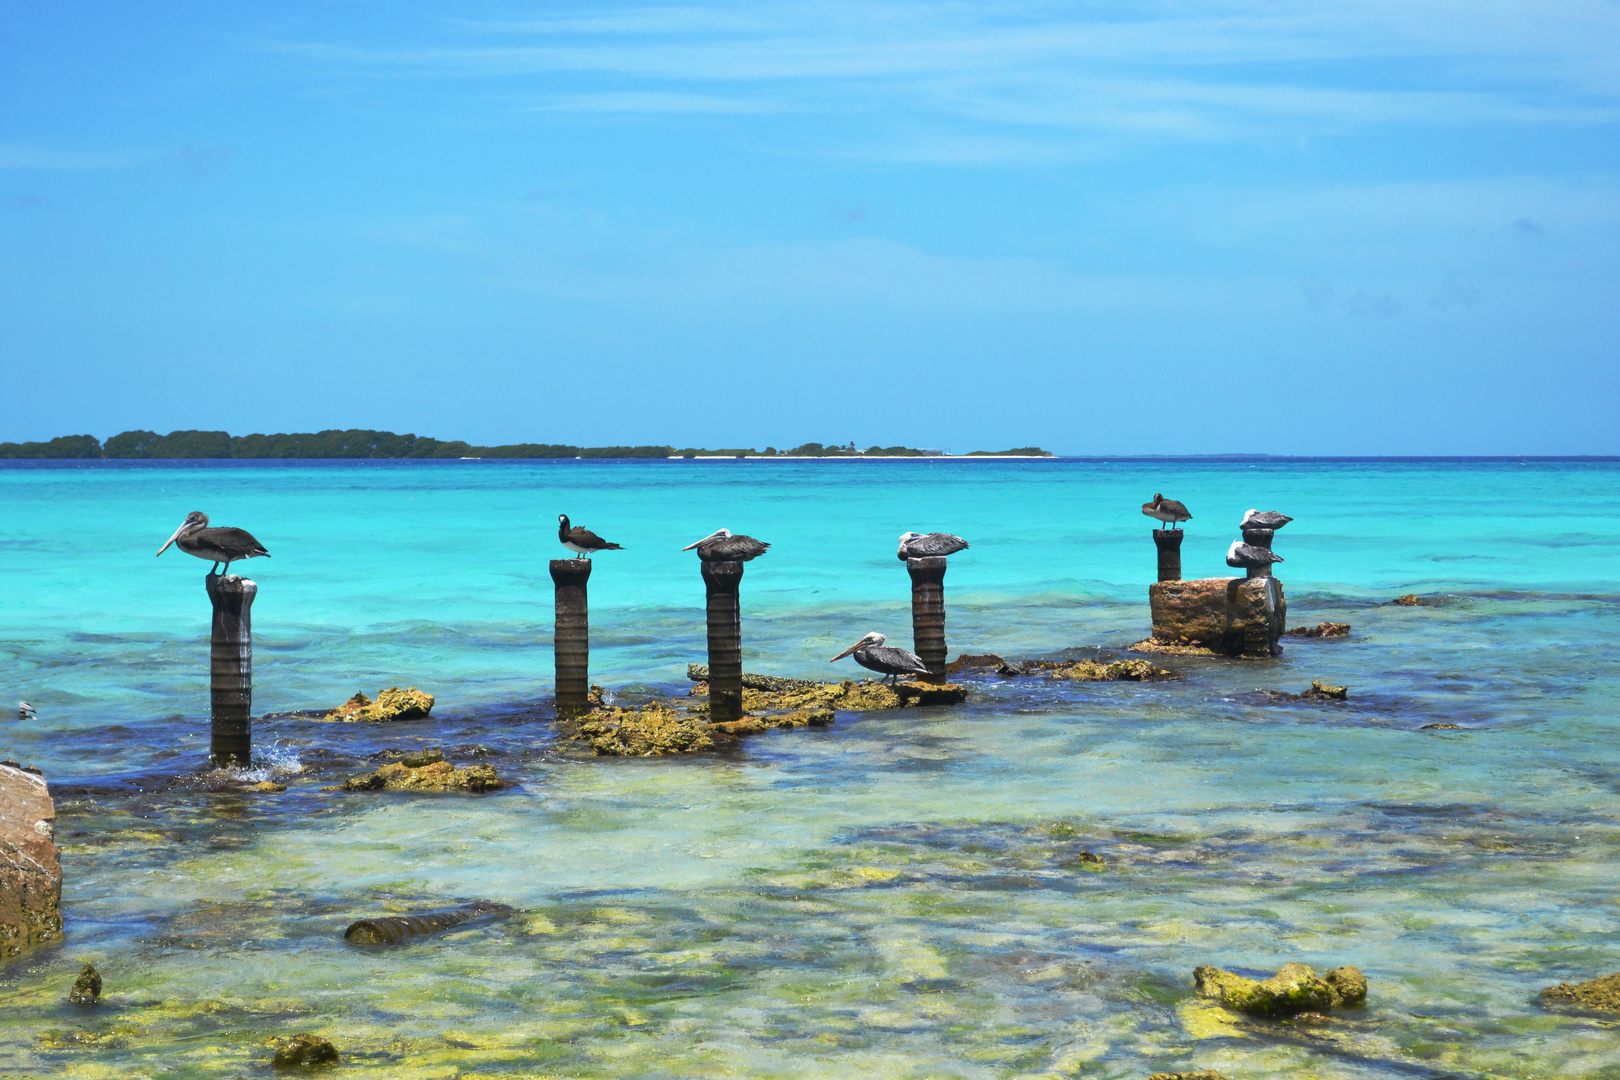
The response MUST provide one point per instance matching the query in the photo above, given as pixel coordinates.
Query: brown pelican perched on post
(917, 546)
(872, 654)
(722, 546)
(1268, 519)
(1250, 557)
(221, 544)
(581, 541)
(1166, 510)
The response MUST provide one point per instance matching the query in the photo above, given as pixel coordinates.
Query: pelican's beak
(705, 540)
(171, 539)
(847, 651)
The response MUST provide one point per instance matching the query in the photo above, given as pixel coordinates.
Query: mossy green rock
(1201, 1074)
(1601, 994)
(305, 1052)
(1294, 989)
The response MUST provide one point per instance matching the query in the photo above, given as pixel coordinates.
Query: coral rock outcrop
(1321, 630)
(427, 771)
(391, 704)
(1602, 995)
(1294, 989)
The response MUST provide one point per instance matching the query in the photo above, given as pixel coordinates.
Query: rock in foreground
(391, 704)
(30, 872)
(427, 771)
(653, 731)
(1600, 994)
(304, 1052)
(1229, 616)
(1294, 989)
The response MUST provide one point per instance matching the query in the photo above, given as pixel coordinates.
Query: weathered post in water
(1168, 541)
(571, 637)
(230, 669)
(721, 580)
(1260, 538)
(928, 613)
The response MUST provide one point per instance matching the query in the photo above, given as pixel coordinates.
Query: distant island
(385, 444)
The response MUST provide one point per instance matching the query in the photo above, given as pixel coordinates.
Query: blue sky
(1378, 227)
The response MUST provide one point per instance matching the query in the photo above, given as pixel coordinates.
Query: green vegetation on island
(360, 443)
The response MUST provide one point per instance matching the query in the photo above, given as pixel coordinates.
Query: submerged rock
(1441, 727)
(1229, 616)
(87, 987)
(1201, 1074)
(30, 870)
(1118, 671)
(1321, 691)
(750, 681)
(393, 929)
(304, 1052)
(1321, 630)
(391, 704)
(1409, 600)
(1601, 994)
(652, 731)
(1294, 989)
(426, 771)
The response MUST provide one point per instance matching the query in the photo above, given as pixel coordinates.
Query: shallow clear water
(897, 895)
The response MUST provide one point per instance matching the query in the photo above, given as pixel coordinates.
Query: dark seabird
(221, 544)
(722, 546)
(581, 541)
(917, 546)
(1249, 557)
(872, 654)
(1269, 519)
(25, 711)
(1166, 510)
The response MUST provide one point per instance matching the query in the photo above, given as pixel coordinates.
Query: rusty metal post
(1260, 538)
(721, 581)
(230, 669)
(1168, 541)
(571, 636)
(928, 613)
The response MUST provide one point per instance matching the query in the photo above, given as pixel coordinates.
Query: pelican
(220, 544)
(917, 546)
(722, 546)
(872, 654)
(1166, 510)
(25, 711)
(1250, 557)
(581, 541)
(1269, 519)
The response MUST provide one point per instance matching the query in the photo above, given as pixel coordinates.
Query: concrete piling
(230, 669)
(571, 636)
(721, 581)
(1260, 538)
(928, 613)
(1168, 541)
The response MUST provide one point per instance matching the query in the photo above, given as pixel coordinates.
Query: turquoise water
(894, 896)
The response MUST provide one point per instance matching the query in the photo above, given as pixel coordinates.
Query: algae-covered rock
(1321, 691)
(426, 772)
(1601, 994)
(87, 987)
(1171, 648)
(652, 731)
(391, 704)
(1201, 1074)
(1294, 989)
(1321, 630)
(1441, 727)
(1231, 616)
(1409, 600)
(750, 681)
(305, 1052)
(1118, 671)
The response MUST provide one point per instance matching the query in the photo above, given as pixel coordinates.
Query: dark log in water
(1260, 538)
(230, 668)
(571, 643)
(393, 929)
(721, 581)
(928, 613)
(1168, 541)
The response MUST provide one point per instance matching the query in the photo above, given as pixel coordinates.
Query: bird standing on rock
(722, 546)
(917, 546)
(1166, 510)
(581, 541)
(1266, 519)
(872, 654)
(1250, 557)
(219, 544)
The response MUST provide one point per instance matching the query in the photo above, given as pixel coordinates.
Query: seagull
(722, 546)
(25, 711)
(1269, 519)
(581, 541)
(917, 546)
(220, 544)
(1250, 557)
(872, 654)
(1166, 510)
